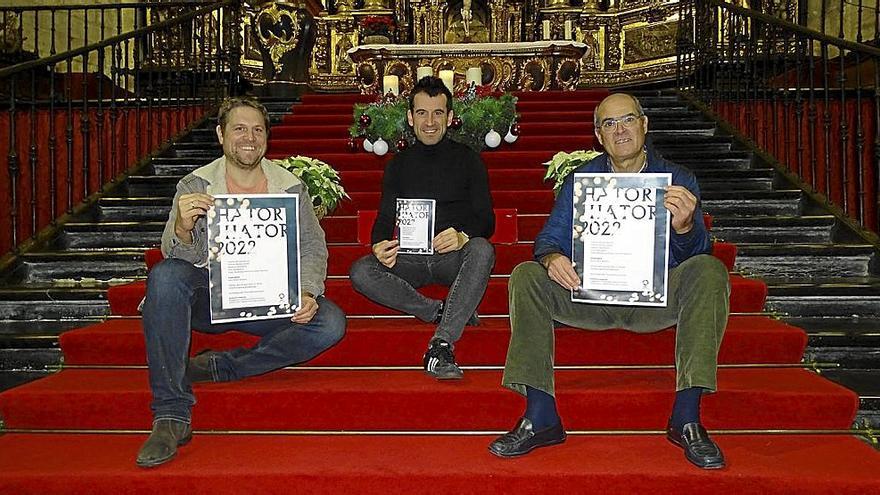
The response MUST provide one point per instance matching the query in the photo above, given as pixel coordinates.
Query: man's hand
(189, 208)
(561, 271)
(449, 240)
(681, 203)
(306, 311)
(386, 252)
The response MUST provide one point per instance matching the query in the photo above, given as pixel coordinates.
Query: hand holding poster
(620, 238)
(253, 257)
(415, 225)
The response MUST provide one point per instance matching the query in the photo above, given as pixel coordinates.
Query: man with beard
(177, 296)
(540, 294)
(453, 175)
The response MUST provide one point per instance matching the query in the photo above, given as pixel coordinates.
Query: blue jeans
(177, 301)
(465, 271)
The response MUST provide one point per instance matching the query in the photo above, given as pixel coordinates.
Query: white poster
(620, 238)
(253, 256)
(415, 225)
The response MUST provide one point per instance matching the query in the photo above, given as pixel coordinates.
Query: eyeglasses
(626, 121)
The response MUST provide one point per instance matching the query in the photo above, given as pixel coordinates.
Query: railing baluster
(12, 163)
(99, 119)
(812, 117)
(826, 121)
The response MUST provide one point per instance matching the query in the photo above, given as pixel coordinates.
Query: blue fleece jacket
(555, 237)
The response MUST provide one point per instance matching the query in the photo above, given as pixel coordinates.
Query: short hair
(232, 102)
(639, 110)
(431, 86)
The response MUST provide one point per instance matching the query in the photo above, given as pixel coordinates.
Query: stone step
(34, 303)
(99, 235)
(29, 359)
(805, 260)
(681, 127)
(866, 383)
(10, 379)
(829, 297)
(106, 265)
(817, 229)
(841, 331)
(737, 203)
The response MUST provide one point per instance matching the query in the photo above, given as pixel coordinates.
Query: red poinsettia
(377, 24)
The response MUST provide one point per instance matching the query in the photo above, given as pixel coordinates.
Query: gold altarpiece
(629, 41)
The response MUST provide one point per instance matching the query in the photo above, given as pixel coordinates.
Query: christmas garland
(480, 119)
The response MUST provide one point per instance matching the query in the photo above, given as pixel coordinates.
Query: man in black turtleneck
(454, 176)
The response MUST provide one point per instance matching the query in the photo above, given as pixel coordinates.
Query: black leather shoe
(200, 367)
(699, 449)
(161, 447)
(523, 439)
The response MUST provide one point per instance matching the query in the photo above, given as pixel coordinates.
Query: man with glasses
(698, 291)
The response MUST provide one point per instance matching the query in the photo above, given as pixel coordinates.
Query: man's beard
(237, 161)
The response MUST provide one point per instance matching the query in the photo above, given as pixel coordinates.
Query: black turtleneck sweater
(451, 174)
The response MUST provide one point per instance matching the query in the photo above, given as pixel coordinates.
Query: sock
(540, 409)
(687, 407)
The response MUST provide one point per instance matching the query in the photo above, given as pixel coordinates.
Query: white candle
(546, 29)
(474, 75)
(448, 77)
(424, 71)
(568, 30)
(390, 85)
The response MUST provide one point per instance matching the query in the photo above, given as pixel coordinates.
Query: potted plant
(321, 180)
(377, 29)
(564, 163)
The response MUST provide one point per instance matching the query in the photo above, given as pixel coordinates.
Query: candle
(546, 29)
(448, 76)
(424, 71)
(474, 75)
(568, 30)
(390, 85)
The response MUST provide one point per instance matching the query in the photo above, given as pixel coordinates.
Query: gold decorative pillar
(506, 18)
(343, 6)
(427, 20)
(374, 5)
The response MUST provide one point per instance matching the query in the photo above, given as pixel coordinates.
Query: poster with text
(253, 257)
(620, 238)
(415, 226)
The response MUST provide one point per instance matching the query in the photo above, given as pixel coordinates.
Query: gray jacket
(211, 179)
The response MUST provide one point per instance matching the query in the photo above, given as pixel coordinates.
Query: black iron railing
(809, 100)
(78, 120)
(33, 32)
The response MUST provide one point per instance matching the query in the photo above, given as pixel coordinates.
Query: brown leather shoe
(161, 447)
(200, 368)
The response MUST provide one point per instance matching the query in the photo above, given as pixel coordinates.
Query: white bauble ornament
(380, 147)
(493, 139)
(510, 138)
(368, 146)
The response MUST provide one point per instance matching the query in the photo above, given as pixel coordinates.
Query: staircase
(333, 417)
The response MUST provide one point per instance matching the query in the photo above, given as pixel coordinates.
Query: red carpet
(398, 342)
(747, 296)
(384, 400)
(403, 400)
(382, 465)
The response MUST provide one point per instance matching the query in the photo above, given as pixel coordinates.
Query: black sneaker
(439, 361)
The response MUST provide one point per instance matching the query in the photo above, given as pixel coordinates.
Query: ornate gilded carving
(650, 42)
(321, 52)
(278, 30)
(612, 48)
(536, 75)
